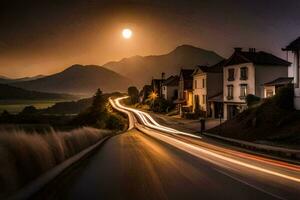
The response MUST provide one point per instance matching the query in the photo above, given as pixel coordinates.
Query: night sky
(43, 37)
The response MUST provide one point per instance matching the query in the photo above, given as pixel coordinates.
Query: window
(269, 93)
(244, 73)
(229, 92)
(195, 82)
(203, 83)
(230, 74)
(203, 99)
(244, 91)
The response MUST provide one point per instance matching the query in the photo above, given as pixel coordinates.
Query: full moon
(127, 33)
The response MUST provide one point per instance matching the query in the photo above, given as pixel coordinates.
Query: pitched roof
(187, 73)
(171, 81)
(217, 97)
(258, 58)
(294, 45)
(280, 81)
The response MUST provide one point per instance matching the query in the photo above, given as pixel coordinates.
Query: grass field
(15, 106)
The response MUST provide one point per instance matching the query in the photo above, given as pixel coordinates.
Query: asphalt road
(154, 162)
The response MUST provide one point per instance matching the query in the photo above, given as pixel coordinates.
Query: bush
(24, 157)
(252, 100)
(161, 105)
(133, 92)
(285, 97)
(115, 121)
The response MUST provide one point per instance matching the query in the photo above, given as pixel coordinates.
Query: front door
(232, 111)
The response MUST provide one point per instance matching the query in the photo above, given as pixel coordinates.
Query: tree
(285, 97)
(29, 110)
(98, 104)
(133, 92)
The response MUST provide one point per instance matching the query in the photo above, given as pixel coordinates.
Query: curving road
(151, 161)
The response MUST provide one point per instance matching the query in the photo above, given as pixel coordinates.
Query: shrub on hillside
(116, 122)
(252, 100)
(285, 97)
(99, 115)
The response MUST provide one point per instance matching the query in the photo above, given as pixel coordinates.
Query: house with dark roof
(293, 55)
(272, 87)
(170, 88)
(208, 89)
(246, 72)
(185, 90)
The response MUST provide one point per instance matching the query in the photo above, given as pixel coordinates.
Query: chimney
(163, 76)
(252, 50)
(238, 49)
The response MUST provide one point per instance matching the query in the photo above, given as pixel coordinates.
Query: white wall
(199, 89)
(237, 82)
(169, 91)
(293, 73)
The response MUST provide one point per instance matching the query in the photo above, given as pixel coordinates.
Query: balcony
(229, 97)
(243, 78)
(242, 97)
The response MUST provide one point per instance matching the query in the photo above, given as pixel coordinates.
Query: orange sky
(44, 38)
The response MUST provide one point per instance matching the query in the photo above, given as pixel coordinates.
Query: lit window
(229, 92)
(203, 83)
(269, 93)
(244, 91)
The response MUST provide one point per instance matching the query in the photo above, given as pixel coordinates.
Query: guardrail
(274, 150)
(35, 186)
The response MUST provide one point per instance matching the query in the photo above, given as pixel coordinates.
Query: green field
(15, 106)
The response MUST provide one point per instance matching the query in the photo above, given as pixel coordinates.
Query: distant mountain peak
(185, 48)
(143, 68)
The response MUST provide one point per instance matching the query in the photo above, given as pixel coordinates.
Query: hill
(78, 79)
(8, 92)
(266, 123)
(142, 69)
(4, 79)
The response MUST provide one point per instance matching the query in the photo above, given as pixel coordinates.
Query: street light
(153, 95)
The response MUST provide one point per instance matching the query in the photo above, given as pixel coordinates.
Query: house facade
(272, 87)
(293, 56)
(170, 88)
(246, 72)
(185, 90)
(207, 89)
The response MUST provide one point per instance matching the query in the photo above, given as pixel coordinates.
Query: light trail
(149, 121)
(197, 150)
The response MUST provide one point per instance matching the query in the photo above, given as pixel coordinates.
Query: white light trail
(195, 150)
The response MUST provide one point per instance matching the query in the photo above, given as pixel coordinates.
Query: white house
(170, 88)
(185, 91)
(246, 72)
(207, 87)
(294, 57)
(272, 87)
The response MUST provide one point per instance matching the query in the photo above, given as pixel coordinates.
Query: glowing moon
(127, 33)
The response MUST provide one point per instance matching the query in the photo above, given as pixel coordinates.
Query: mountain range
(8, 92)
(142, 69)
(78, 80)
(117, 76)
(4, 79)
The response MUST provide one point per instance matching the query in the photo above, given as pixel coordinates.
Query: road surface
(151, 161)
